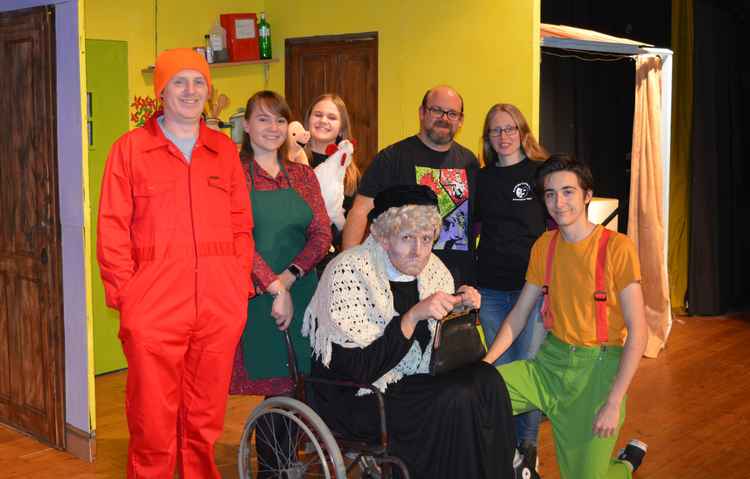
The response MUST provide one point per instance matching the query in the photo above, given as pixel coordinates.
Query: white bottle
(209, 50)
(218, 40)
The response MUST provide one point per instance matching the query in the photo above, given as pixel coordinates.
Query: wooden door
(31, 326)
(107, 94)
(343, 64)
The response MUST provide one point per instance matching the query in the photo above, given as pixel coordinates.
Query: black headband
(402, 195)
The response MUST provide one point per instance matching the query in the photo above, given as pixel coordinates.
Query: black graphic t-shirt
(512, 219)
(452, 176)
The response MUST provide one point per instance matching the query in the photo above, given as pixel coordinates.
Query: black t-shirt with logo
(512, 219)
(452, 176)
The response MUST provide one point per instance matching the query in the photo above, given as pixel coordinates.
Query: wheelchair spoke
(285, 439)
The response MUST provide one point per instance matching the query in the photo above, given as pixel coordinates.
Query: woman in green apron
(292, 233)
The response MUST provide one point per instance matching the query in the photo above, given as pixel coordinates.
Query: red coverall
(175, 250)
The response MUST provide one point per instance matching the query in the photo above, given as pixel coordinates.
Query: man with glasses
(431, 158)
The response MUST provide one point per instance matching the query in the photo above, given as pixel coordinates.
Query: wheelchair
(300, 445)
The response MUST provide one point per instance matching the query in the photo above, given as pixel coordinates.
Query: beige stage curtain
(564, 31)
(646, 221)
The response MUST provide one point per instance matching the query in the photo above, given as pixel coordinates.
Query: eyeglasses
(508, 130)
(437, 113)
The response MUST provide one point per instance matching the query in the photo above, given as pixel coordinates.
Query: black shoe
(633, 453)
(528, 450)
(522, 468)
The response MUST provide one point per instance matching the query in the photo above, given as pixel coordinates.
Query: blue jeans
(495, 307)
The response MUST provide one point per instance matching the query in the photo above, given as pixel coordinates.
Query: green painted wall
(107, 86)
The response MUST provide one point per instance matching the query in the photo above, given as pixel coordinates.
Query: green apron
(281, 218)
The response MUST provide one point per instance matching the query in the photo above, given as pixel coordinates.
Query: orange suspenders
(546, 311)
(600, 290)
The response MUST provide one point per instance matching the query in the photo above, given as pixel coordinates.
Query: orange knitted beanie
(170, 62)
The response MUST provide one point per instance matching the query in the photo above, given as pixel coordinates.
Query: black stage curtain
(586, 105)
(587, 111)
(720, 215)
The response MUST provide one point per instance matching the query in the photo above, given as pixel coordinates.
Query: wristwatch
(294, 269)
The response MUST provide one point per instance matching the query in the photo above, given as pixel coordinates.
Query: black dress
(455, 425)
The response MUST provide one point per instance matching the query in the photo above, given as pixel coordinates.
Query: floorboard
(690, 405)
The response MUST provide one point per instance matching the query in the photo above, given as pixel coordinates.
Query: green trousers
(569, 384)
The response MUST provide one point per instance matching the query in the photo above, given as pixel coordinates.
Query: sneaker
(528, 450)
(521, 469)
(633, 453)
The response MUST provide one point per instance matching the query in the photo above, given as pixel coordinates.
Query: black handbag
(457, 342)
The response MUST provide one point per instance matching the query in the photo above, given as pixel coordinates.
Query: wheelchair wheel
(283, 438)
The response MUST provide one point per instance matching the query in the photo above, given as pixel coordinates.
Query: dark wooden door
(31, 327)
(343, 64)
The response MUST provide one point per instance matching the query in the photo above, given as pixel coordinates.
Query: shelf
(150, 69)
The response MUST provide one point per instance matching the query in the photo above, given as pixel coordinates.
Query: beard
(440, 137)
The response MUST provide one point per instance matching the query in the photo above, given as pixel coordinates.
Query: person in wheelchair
(372, 321)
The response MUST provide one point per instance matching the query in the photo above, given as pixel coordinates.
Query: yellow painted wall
(87, 246)
(180, 23)
(488, 50)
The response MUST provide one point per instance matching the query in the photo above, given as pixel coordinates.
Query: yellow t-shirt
(572, 284)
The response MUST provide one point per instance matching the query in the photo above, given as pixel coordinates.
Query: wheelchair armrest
(378, 395)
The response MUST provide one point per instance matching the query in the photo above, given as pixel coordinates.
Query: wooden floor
(691, 405)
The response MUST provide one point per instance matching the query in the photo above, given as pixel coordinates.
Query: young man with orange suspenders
(593, 309)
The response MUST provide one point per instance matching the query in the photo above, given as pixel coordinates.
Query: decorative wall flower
(143, 107)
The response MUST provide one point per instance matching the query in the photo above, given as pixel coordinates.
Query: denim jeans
(495, 307)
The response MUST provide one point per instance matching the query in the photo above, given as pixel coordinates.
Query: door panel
(343, 64)
(314, 81)
(31, 324)
(359, 87)
(107, 88)
(32, 378)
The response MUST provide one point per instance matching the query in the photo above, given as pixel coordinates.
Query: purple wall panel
(70, 180)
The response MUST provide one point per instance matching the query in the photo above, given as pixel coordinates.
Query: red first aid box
(242, 36)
